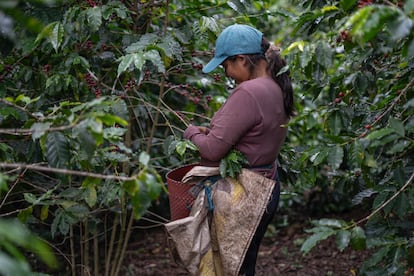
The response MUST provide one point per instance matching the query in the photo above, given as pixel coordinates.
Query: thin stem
(125, 243)
(85, 243)
(95, 252)
(72, 251)
(157, 114)
(388, 201)
(120, 237)
(111, 246)
(64, 171)
(28, 131)
(11, 188)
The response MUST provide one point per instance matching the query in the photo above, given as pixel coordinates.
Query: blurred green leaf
(343, 237)
(358, 238)
(39, 129)
(335, 157)
(315, 238)
(57, 150)
(144, 158)
(94, 16)
(347, 4)
(397, 125)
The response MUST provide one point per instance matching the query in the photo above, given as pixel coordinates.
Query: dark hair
(275, 64)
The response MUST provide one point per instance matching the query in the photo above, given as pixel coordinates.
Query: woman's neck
(260, 71)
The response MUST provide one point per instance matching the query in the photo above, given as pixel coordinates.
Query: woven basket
(179, 194)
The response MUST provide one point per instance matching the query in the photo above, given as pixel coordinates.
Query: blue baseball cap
(234, 40)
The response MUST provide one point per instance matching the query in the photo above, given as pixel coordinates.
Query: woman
(253, 117)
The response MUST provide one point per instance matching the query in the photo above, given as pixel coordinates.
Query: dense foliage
(94, 96)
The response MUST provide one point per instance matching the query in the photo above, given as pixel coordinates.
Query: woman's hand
(193, 130)
(203, 130)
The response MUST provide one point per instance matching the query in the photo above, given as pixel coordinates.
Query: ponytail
(275, 64)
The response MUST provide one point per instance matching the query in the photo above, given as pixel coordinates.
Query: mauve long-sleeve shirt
(251, 121)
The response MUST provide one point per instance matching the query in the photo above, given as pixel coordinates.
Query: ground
(279, 254)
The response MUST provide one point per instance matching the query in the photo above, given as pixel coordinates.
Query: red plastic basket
(179, 194)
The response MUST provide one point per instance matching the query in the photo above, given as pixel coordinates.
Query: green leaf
(155, 58)
(14, 232)
(356, 153)
(56, 36)
(343, 237)
(324, 54)
(39, 129)
(209, 23)
(25, 214)
(57, 150)
(284, 69)
(53, 80)
(86, 183)
(410, 48)
(231, 165)
(120, 109)
(94, 16)
(335, 157)
(53, 32)
(171, 47)
(358, 198)
(378, 256)
(91, 196)
(181, 148)
(397, 125)
(332, 223)
(114, 134)
(8, 4)
(358, 238)
(9, 111)
(23, 98)
(379, 133)
(409, 6)
(78, 211)
(402, 205)
(30, 198)
(347, 4)
(131, 186)
(110, 120)
(370, 161)
(306, 56)
(153, 186)
(82, 61)
(63, 225)
(3, 183)
(86, 141)
(335, 123)
(138, 60)
(368, 21)
(315, 238)
(11, 265)
(44, 212)
(126, 62)
(238, 6)
(400, 27)
(144, 158)
(398, 147)
(319, 157)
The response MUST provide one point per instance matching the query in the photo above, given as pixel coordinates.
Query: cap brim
(213, 64)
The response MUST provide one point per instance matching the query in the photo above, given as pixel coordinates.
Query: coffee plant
(95, 94)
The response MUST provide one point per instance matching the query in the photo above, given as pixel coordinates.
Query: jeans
(249, 264)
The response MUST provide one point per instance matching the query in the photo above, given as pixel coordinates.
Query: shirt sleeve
(238, 115)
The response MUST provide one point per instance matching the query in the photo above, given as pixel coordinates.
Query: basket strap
(208, 183)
